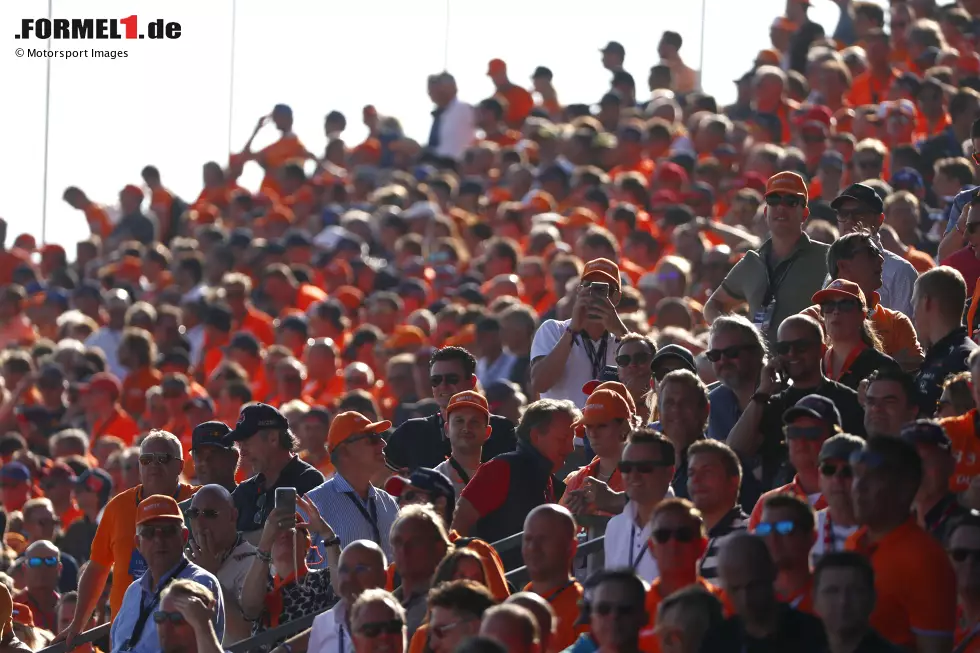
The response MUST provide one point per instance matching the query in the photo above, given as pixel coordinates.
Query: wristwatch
(761, 397)
(334, 541)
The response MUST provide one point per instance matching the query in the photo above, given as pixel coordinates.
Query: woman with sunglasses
(855, 349)
(634, 354)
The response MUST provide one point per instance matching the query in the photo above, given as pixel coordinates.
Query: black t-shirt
(255, 501)
(948, 356)
(798, 632)
(867, 362)
(422, 442)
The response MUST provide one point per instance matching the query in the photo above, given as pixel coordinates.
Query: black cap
(51, 376)
(435, 483)
(815, 406)
(88, 288)
(241, 237)
(219, 317)
(201, 403)
(926, 431)
(675, 352)
(254, 418)
(542, 71)
(862, 193)
(611, 97)
(179, 357)
(95, 480)
(246, 342)
(294, 323)
(211, 434)
(614, 47)
(297, 239)
(840, 447)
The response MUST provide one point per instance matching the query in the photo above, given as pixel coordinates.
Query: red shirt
(487, 490)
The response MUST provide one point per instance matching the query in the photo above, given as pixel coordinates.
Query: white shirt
(235, 567)
(329, 634)
(578, 369)
(839, 535)
(108, 341)
(489, 372)
(897, 278)
(626, 545)
(457, 130)
(447, 468)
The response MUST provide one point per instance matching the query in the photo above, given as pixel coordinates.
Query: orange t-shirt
(897, 334)
(519, 104)
(74, 513)
(419, 639)
(258, 324)
(98, 220)
(325, 393)
(325, 466)
(962, 434)
(119, 424)
(793, 488)
(307, 295)
(914, 582)
(113, 543)
(921, 261)
(134, 387)
(867, 89)
(18, 331)
(649, 641)
(279, 153)
(565, 602)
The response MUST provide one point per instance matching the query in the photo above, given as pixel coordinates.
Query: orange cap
(787, 182)
(768, 58)
(463, 338)
(158, 506)
(602, 407)
(618, 388)
(349, 424)
(496, 66)
(840, 289)
(131, 189)
(468, 399)
(580, 217)
(350, 297)
(541, 201)
(406, 335)
(601, 269)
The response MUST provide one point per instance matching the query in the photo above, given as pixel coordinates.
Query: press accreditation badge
(763, 317)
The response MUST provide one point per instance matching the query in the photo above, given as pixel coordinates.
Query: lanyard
(554, 595)
(635, 563)
(596, 356)
(147, 610)
(463, 476)
(340, 640)
(829, 541)
(370, 517)
(828, 361)
(776, 276)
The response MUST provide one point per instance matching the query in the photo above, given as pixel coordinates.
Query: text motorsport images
(44, 29)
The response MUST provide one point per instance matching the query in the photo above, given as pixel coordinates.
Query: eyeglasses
(377, 628)
(843, 470)
(640, 358)
(794, 346)
(158, 458)
(621, 609)
(733, 352)
(173, 617)
(641, 466)
(804, 432)
(373, 438)
(960, 555)
(47, 561)
(441, 630)
(207, 513)
(779, 527)
(437, 380)
(151, 532)
(683, 535)
(839, 306)
(792, 201)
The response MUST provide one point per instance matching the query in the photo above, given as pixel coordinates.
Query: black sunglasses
(641, 358)
(641, 466)
(684, 534)
(804, 432)
(792, 201)
(715, 355)
(960, 555)
(798, 346)
(207, 513)
(158, 458)
(173, 617)
(150, 532)
(839, 306)
(377, 628)
(843, 470)
(437, 380)
(621, 609)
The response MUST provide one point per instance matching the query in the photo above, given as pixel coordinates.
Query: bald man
(219, 548)
(512, 626)
(748, 574)
(362, 566)
(543, 614)
(41, 572)
(548, 547)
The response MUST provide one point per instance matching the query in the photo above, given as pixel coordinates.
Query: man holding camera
(566, 354)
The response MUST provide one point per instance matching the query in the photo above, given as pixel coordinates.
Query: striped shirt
(352, 518)
(736, 520)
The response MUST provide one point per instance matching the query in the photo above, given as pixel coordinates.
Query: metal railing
(517, 576)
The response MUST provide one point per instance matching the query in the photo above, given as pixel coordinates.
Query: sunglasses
(960, 555)
(158, 458)
(731, 353)
(47, 561)
(437, 380)
(794, 346)
(442, 630)
(804, 432)
(173, 617)
(839, 306)
(778, 527)
(151, 532)
(830, 469)
(377, 628)
(641, 359)
(620, 609)
(792, 201)
(373, 438)
(641, 466)
(683, 535)
(207, 513)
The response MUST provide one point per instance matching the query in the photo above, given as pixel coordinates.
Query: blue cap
(815, 406)
(907, 179)
(15, 472)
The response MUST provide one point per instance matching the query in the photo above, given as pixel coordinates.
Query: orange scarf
(273, 599)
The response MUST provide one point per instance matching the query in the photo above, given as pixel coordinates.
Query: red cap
(602, 269)
(787, 182)
(496, 66)
(665, 196)
(22, 614)
(755, 181)
(671, 171)
(104, 382)
(158, 506)
(131, 189)
(840, 289)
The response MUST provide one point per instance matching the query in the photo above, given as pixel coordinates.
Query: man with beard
(736, 351)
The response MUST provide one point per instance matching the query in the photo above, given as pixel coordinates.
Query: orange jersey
(98, 220)
(793, 488)
(258, 324)
(649, 641)
(119, 424)
(565, 602)
(962, 434)
(276, 155)
(134, 387)
(519, 104)
(868, 89)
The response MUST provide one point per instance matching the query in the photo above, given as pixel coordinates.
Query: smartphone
(286, 498)
(599, 289)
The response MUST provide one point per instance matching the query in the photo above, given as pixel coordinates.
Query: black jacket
(422, 442)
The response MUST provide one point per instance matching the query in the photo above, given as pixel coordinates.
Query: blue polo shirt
(139, 594)
(352, 518)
